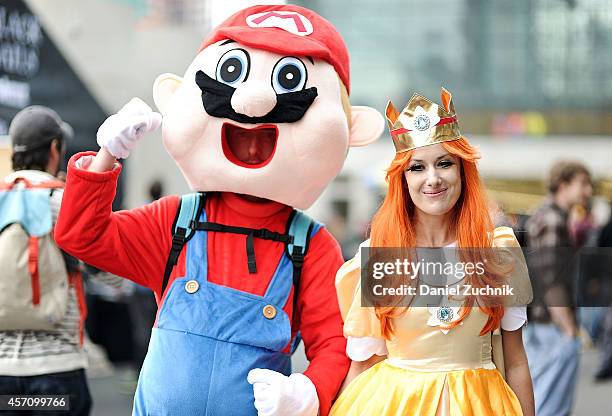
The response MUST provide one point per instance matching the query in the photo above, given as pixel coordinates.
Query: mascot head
(263, 109)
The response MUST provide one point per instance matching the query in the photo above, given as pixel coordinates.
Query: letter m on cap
(291, 22)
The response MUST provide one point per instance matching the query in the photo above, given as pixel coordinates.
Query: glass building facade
(549, 61)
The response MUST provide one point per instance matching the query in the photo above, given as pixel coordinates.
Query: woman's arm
(358, 367)
(517, 369)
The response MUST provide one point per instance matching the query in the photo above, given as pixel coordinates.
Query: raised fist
(120, 132)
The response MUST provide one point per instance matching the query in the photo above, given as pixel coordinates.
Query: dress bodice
(418, 342)
(418, 346)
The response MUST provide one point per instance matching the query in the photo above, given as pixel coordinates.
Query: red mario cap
(286, 29)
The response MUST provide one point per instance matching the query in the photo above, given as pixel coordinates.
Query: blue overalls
(208, 337)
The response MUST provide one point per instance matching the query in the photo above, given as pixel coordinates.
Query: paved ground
(593, 399)
(113, 395)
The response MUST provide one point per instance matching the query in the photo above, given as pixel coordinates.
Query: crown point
(447, 100)
(391, 113)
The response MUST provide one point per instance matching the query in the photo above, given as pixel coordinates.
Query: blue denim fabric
(554, 359)
(206, 342)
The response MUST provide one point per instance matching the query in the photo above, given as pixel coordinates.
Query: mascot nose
(254, 99)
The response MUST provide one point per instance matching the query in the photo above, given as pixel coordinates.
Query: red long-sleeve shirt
(135, 244)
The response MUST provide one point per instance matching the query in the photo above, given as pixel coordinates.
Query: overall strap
(189, 209)
(250, 233)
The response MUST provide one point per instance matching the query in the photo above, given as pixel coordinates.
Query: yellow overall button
(192, 286)
(269, 311)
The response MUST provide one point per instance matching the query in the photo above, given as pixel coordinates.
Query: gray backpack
(33, 276)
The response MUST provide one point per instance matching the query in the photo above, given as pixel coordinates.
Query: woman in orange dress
(424, 359)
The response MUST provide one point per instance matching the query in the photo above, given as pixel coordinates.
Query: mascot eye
(233, 67)
(289, 75)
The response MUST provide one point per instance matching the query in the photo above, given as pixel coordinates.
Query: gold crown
(422, 123)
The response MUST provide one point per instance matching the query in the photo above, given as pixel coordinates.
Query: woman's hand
(517, 369)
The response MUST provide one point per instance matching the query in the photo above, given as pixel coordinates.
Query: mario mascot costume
(259, 125)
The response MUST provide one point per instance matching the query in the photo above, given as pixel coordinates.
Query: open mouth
(249, 148)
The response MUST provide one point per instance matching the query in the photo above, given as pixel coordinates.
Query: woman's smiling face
(433, 176)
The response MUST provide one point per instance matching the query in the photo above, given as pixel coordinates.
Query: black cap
(36, 126)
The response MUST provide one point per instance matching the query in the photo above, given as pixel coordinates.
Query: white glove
(279, 395)
(120, 132)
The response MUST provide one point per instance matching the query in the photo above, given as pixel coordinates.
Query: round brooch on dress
(443, 315)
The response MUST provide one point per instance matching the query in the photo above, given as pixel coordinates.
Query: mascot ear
(367, 125)
(165, 85)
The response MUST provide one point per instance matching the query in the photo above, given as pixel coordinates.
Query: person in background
(604, 372)
(551, 340)
(109, 323)
(582, 228)
(45, 362)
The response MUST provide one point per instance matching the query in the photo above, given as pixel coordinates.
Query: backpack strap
(250, 233)
(50, 184)
(75, 279)
(189, 209)
(33, 269)
(299, 227)
(296, 239)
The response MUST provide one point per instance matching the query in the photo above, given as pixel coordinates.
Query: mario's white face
(254, 122)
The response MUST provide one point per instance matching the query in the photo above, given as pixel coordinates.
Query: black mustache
(289, 108)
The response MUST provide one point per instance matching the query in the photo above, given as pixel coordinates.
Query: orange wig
(392, 225)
